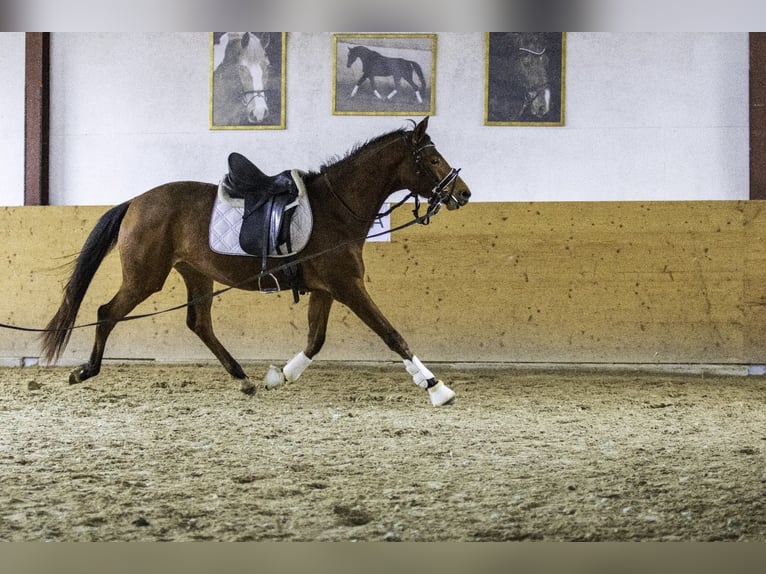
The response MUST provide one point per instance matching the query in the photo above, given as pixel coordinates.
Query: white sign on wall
(379, 230)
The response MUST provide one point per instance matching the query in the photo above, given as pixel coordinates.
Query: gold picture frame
(384, 74)
(525, 78)
(247, 80)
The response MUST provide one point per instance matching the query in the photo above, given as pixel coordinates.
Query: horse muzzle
(457, 200)
(452, 191)
(540, 102)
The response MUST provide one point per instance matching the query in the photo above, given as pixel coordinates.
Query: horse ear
(420, 131)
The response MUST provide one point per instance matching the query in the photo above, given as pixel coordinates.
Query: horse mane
(357, 148)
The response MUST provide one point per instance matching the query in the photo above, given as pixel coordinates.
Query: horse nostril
(465, 194)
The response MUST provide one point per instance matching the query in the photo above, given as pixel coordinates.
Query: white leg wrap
(377, 94)
(440, 393)
(294, 369)
(391, 95)
(353, 92)
(420, 374)
(417, 94)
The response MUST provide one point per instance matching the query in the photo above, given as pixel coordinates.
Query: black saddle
(245, 178)
(266, 218)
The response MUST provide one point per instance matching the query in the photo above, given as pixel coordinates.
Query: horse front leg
(320, 303)
(393, 92)
(360, 302)
(359, 84)
(374, 88)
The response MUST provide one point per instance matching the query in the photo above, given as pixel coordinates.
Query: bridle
(442, 191)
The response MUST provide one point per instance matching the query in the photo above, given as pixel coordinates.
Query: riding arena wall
(623, 236)
(650, 283)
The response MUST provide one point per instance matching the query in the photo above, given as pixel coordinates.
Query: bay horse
(375, 65)
(164, 229)
(239, 81)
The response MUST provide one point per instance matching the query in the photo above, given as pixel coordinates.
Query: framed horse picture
(247, 80)
(525, 78)
(384, 74)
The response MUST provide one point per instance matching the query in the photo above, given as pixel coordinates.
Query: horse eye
(435, 161)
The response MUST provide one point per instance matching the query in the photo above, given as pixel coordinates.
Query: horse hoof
(75, 377)
(441, 395)
(247, 387)
(274, 377)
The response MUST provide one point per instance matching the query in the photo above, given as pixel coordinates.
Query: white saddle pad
(226, 221)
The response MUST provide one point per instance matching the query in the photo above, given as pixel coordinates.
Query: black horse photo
(374, 64)
(384, 77)
(525, 77)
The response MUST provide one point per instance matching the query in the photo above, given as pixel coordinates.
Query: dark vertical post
(36, 118)
(757, 115)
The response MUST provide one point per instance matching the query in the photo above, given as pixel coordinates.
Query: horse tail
(419, 72)
(99, 243)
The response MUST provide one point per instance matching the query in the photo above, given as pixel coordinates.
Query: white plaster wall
(648, 117)
(12, 118)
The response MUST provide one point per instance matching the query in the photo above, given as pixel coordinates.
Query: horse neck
(364, 180)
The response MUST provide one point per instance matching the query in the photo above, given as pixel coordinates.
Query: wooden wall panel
(665, 282)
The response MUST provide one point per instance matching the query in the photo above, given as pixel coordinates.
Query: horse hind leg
(393, 92)
(373, 87)
(198, 318)
(415, 87)
(125, 300)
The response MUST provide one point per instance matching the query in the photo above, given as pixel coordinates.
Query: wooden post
(757, 115)
(36, 118)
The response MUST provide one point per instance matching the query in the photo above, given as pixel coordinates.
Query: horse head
(431, 176)
(353, 53)
(253, 57)
(529, 64)
(242, 76)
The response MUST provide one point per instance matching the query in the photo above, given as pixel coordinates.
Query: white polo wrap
(296, 366)
(420, 374)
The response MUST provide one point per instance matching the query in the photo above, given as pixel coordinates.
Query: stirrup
(268, 289)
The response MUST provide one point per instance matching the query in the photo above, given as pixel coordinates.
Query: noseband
(249, 95)
(531, 51)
